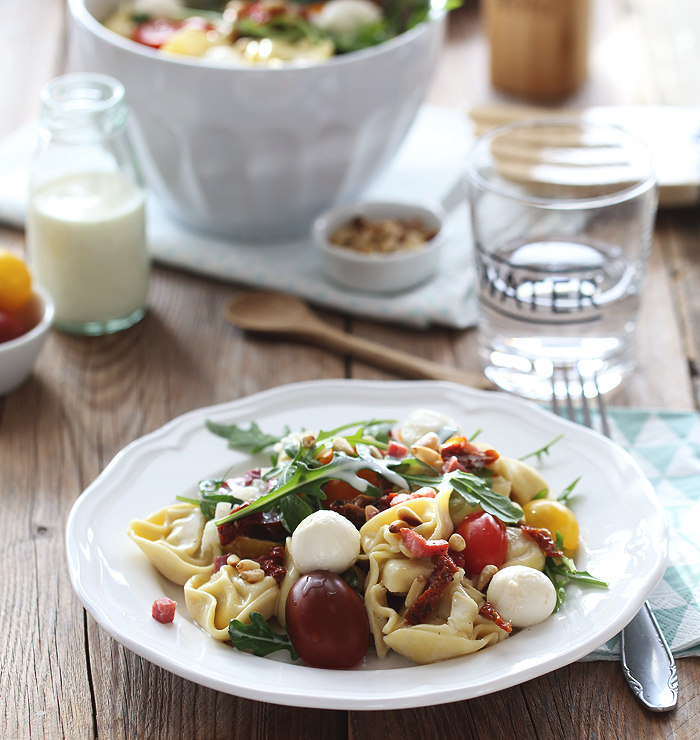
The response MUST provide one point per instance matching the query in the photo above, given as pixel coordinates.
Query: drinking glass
(562, 216)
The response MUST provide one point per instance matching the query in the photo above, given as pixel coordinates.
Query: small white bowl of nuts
(380, 247)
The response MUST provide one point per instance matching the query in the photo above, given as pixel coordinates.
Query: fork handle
(648, 664)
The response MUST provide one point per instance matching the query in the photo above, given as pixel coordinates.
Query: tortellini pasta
(172, 539)
(454, 627)
(213, 601)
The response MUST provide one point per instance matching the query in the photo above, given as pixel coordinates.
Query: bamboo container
(539, 48)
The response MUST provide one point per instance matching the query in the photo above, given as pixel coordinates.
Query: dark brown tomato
(326, 621)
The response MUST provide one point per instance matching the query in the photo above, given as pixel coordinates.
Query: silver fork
(647, 662)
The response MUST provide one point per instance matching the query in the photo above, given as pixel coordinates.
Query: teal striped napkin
(666, 445)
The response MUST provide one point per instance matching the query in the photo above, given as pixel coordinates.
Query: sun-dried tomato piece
(489, 612)
(259, 526)
(273, 564)
(438, 581)
(460, 454)
(354, 509)
(543, 539)
(219, 562)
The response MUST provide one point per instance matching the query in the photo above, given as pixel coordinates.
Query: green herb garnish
(253, 440)
(566, 494)
(543, 450)
(561, 570)
(259, 637)
(476, 491)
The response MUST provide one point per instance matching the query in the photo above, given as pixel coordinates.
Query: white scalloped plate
(623, 527)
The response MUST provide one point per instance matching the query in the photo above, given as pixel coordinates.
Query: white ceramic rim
(43, 325)
(334, 217)
(635, 534)
(81, 14)
(555, 204)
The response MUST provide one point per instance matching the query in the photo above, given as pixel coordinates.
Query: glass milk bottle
(86, 217)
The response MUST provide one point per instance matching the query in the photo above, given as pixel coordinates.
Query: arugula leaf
(566, 494)
(253, 440)
(350, 577)
(562, 570)
(541, 494)
(543, 450)
(293, 510)
(477, 491)
(298, 478)
(259, 637)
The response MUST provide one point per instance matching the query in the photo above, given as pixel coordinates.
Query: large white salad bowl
(256, 152)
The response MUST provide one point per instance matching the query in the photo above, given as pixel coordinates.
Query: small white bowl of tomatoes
(26, 314)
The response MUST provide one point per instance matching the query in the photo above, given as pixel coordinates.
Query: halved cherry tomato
(339, 489)
(486, 542)
(11, 326)
(156, 32)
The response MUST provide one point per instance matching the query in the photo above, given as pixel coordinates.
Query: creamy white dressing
(86, 236)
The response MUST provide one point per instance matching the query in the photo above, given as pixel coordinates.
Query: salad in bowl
(265, 32)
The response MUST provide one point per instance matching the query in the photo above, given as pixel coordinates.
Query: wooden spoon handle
(400, 362)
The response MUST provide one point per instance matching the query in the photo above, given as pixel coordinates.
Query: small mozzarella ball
(167, 8)
(325, 540)
(522, 595)
(347, 16)
(421, 422)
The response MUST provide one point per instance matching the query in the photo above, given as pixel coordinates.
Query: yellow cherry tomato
(15, 282)
(554, 516)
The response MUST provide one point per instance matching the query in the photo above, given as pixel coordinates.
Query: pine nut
(456, 542)
(253, 576)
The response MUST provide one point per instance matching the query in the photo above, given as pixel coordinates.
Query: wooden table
(62, 676)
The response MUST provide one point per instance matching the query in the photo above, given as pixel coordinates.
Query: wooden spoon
(283, 314)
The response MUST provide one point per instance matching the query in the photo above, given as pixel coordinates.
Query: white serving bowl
(17, 356)
(257, 152)
(386, 272)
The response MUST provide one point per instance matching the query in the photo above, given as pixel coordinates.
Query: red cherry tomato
(11, 326)
(486, 542)
(326, 621)
(339, 489)
(156, 32)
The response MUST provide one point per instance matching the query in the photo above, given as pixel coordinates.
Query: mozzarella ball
(347, 16)
(325, 540)
(522, 595)
(420, 422)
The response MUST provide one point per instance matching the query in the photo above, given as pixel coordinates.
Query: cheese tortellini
(173, 540)
(213, 601)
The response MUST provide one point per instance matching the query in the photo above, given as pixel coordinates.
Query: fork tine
(601, 408)
(569, 400)
(584, 402)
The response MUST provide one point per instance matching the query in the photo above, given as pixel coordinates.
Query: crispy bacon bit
(396, 449)
(419, 547)
(219, 562)
(543, 539)
(438, 581)
(488, 612)
(163, 610)
(273, 564)
(354, 509)
(466, 456)
(401, 498)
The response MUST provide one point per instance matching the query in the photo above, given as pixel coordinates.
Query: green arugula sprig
(299, 478)
(259, 637)
(475, 490)
(561, 570)
(568, 492)
(252, 440)
(543, 450)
